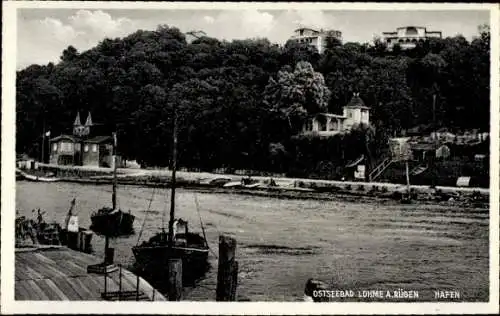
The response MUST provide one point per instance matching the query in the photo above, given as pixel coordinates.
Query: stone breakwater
(284, 188)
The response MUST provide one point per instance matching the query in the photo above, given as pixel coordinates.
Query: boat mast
(174, 167)
(114, 170)
(434, 173)
(407, 177)
(113, 197)
(42, 159)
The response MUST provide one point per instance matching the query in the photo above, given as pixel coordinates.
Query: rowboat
(30, 177)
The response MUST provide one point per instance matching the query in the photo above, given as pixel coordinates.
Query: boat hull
(153, 261)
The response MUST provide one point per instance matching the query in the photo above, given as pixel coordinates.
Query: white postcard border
(9, 306)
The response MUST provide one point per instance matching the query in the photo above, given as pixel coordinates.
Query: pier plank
(46, 289)
(34, 286)
(61, 274)
(64, 284)
(23, 291)
(84, 293)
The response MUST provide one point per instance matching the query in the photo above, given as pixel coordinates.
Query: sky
(44, 33)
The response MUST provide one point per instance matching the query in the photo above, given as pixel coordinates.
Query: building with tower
(328, 124)
(84, 147)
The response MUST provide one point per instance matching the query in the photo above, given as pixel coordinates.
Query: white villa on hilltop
(314, 37)
(327, 124)
(407, 37)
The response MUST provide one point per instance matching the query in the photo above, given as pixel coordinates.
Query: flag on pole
(47, 134)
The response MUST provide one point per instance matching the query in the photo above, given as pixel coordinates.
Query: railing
(379, 169)
(122, 295)
(418, 169)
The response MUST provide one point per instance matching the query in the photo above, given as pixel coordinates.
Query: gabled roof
(330, 115)
(356, 102)
(69, 137)
(99, 139)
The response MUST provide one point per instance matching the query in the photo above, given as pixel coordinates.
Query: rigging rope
(202, 227)
(164, 213)
(146, 216)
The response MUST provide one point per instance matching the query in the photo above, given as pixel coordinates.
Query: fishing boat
(247, 182)
(176, 243)
(26, 176)
(112, 222)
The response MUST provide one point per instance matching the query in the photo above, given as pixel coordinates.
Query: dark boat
(112, 222)
(192, 248)
(177, 243)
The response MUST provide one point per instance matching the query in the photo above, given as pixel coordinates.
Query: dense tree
(297, 94)
(240, 103)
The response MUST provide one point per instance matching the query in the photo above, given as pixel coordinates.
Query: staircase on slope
(375, 173)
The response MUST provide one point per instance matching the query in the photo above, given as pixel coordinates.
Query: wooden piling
(109, 256)
(120, 284)
(87, 246)
(81, 241)
(174, 279)
(72, 240)
(137, 287)
(227, 274)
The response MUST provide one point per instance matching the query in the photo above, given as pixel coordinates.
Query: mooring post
(227, 274)
(137, 286)
(88, 242)
(109, 255)
(120, 285)
(105, 281)
(81, 241)
(174, 279)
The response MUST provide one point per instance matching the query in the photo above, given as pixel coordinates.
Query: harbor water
(350, 244)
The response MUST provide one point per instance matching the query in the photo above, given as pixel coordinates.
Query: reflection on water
(283, 243)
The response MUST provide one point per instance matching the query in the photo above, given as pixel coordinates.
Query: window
(322, 124)
(86, 148)
(309, 125)
(94, 148)
(334, 125)
(54, 147)
(66, 147)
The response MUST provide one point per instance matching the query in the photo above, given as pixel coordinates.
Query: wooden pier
(59, 273)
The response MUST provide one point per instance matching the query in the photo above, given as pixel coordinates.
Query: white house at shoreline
(328, 124)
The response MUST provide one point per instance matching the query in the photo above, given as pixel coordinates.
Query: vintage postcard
(249, 158)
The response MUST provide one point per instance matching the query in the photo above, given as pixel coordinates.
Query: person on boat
(70, 213)
(246, 181)
(313, 286)
(39, 218)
